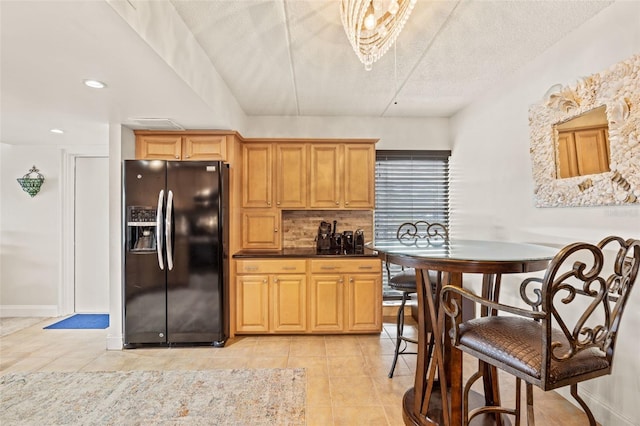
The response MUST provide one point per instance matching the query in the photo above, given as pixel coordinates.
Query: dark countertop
(306, 252)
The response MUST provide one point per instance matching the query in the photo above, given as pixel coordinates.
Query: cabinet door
(327, 303)
(257, 174)
(364, 302)
(582, 152)
(325, 186)
(291, 176)
(592, 152)
(567, 160)
(203, 147)
(252, 306)
(359, 174)
(260, 229)
(158, 147)
(288, 303)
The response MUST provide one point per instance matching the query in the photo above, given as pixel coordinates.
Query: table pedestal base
(434, 415)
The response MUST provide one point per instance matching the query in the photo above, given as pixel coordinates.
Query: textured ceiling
(292, 57)
(278, 57)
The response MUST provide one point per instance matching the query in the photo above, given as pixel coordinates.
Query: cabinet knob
(278, 202)
(187, 156)
(275, 280)
(350, 280)
(177, 157)
(346, 203)
(264, 281)
(341, 281)
(337, 203)
(269, 203)
(275, 230)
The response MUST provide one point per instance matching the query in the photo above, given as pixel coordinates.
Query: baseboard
(604, 414)
(390, 310)
(114, 343)
(47, 311)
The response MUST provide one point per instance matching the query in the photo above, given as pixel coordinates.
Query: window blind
(410, 186)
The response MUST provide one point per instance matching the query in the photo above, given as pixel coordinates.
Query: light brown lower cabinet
(271, 303)
(297, 296)
(348, 299)
(271, 296)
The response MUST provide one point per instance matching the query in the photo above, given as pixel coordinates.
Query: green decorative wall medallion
(31, 185)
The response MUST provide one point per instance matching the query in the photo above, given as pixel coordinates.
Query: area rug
(207, 397)
(82, 321)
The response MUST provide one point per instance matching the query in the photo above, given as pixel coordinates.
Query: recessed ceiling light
(95, 84)
(57, 131)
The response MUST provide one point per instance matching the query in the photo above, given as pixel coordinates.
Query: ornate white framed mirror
(585, 140)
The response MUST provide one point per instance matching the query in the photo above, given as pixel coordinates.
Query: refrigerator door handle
(159, 238)
(168, 229)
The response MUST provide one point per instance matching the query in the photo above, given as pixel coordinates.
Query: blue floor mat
(82, 321)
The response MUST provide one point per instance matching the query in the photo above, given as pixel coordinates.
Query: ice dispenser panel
(141, 229)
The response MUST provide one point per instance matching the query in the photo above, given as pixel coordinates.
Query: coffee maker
(323, 240)
(347, 242)
(358, 242)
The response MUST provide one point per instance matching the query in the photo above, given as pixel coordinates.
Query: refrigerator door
(144, 279)
(194, 246)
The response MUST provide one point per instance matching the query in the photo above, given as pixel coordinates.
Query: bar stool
(405, 281)
(551, 344)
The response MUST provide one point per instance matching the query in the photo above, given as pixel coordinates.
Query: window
(410, 186)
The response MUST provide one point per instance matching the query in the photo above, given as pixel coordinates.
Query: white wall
(394, 133)
(36, 234)
(29, 232)
(492, 184)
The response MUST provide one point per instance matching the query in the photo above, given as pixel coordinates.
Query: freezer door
(143, 259)
(194, 275)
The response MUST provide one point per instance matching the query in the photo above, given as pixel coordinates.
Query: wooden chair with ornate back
(419, 232)
(569, 334)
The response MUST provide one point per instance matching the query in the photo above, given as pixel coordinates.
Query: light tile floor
(347, 381)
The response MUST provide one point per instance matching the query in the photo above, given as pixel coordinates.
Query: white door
(91, 235)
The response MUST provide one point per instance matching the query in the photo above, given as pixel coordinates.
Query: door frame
(66, 293)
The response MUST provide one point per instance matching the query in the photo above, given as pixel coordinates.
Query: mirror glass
(583, 144)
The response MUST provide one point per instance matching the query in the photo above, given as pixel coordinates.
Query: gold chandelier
(372, 26)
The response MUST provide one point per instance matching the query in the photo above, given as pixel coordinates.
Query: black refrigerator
(175, 259)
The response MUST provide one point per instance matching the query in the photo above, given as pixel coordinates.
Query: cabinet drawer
(280, 266)
(350, 266)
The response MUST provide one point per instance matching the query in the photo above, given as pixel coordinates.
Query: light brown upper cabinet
(257, 175)
(291, 175)
(261, 229)
(180, 146)
(359, 176)
(325, 176)
(288, 170)
(342, 176)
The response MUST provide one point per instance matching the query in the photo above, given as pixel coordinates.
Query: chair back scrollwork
(422, 232)
(596, 290)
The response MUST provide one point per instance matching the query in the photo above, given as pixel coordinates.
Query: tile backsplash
(300, 227)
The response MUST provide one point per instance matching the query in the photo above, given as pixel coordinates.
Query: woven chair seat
(517, 343)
